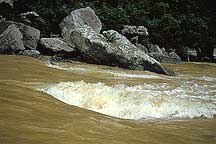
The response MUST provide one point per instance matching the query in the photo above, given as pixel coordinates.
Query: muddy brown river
(77, 103)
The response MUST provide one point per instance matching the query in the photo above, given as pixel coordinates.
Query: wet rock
(30, 35)
(130, 56)
(10, 39)
(53, 46)
(171, 58)
(162, 56)
(112, 48)
(31, 53)
(78, 18)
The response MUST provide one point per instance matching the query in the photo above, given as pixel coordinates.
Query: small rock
(29, 14)
(141, 30)
(31, 53)
(135, 30)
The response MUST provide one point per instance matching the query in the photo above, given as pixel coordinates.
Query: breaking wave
(147, 101)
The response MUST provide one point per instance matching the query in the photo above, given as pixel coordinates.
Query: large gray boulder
(54, 46)
(10, 39)
(94, 47)
(30, 35)
(112, 48)
(130, 56)
(78, 18)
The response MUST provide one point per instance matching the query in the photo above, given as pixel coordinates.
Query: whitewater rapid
(186, 99)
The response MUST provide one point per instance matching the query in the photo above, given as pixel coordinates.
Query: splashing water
(147, 101)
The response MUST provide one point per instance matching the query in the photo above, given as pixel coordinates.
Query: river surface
(77, 103)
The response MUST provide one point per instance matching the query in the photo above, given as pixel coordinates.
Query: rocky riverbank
(81, 39)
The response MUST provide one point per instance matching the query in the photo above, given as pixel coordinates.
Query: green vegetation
(173, 24)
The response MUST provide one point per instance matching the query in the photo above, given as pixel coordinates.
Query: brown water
(151, 108)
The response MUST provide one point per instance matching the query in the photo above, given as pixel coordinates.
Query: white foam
(126, 75)
(203, 78)
(66, 68)
(137, 102)
(115, 74)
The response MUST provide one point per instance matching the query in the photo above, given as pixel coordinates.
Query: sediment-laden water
(42, 102)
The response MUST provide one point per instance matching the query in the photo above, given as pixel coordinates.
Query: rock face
(78, 18)
(112, 48)
(30, 35)
(32, 53)
(54, 45)
(10, 39)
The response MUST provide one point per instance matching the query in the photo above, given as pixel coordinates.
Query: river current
(43, 102)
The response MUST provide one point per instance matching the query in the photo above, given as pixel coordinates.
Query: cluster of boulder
(138, 35)
(81, 39)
